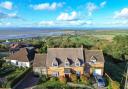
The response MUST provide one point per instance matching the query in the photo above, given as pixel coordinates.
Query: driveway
(29, 81)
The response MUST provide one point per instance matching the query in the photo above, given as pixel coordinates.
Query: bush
(63, 79)
(52, 85)
(43, 78)
(84, 79)
(73, 78)
(12, 83)
(115, 85)
(54, 79)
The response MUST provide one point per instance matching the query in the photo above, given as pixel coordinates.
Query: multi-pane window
(67, 64)
(77, 63)
(55, 74)
(54, 64)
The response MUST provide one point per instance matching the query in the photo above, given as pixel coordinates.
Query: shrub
(54, 79)
(11, 83)
(84, 79)
(63, 79)
(73, 78)
(115, 85)
(43, 78)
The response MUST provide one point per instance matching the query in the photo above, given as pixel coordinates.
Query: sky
(63, 13)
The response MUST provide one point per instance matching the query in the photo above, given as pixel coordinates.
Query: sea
(26, 32)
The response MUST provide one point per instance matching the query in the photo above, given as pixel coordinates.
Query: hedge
(13, 82)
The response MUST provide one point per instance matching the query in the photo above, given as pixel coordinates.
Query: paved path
(29, 81)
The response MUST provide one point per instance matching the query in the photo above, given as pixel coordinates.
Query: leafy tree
(84, 79)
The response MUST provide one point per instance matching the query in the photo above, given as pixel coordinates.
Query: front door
(67, 76)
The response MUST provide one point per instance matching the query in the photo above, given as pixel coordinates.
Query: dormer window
(77, 62)
(93, 59)
(55, 63)
(67, 63)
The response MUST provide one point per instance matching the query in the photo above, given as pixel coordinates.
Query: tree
(84, 79)
(120, 47)
(1, 63)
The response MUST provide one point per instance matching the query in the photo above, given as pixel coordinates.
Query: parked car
(100, 81)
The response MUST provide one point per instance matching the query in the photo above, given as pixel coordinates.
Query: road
(29, 81)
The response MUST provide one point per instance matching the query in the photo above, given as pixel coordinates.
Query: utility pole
(126, 78)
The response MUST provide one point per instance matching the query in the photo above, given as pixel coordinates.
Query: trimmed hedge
(13, 82)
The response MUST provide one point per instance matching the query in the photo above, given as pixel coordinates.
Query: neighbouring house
(67, 61)
(23, 57)
(94, 62)
(15, 46)
(39, 64)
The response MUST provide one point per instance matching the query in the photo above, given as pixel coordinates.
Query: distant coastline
(22, 32)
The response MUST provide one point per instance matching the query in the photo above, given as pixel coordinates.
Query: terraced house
(65, 61)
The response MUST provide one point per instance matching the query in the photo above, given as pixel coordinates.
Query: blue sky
(63, 13)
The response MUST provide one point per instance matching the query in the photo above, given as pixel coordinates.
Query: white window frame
(54, 65)
(55, 74)
(67, 62)
(77, 61)
(93, 60)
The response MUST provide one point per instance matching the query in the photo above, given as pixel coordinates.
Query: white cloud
(5, 24)
(123, 14)
(64, 23)
(91, 7)
(102, 4)
(47, 6)
(12, 15)
(67, 17)
(46, 23)
(7, 5)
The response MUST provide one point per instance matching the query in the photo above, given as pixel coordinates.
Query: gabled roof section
(21, 55)
(64, 54)
(94, 54)
(40, 60)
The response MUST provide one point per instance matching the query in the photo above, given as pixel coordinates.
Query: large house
(65, 61)
(23, 57)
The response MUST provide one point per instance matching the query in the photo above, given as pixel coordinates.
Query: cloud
(68, 16)
(7, 5)
(47, 6)
(123, 14)
(102, 4)
(64, 23)
(91, 7)
(5, 24)
(10, 15)
(46, 23)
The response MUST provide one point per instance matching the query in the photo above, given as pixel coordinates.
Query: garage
(97, 72)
